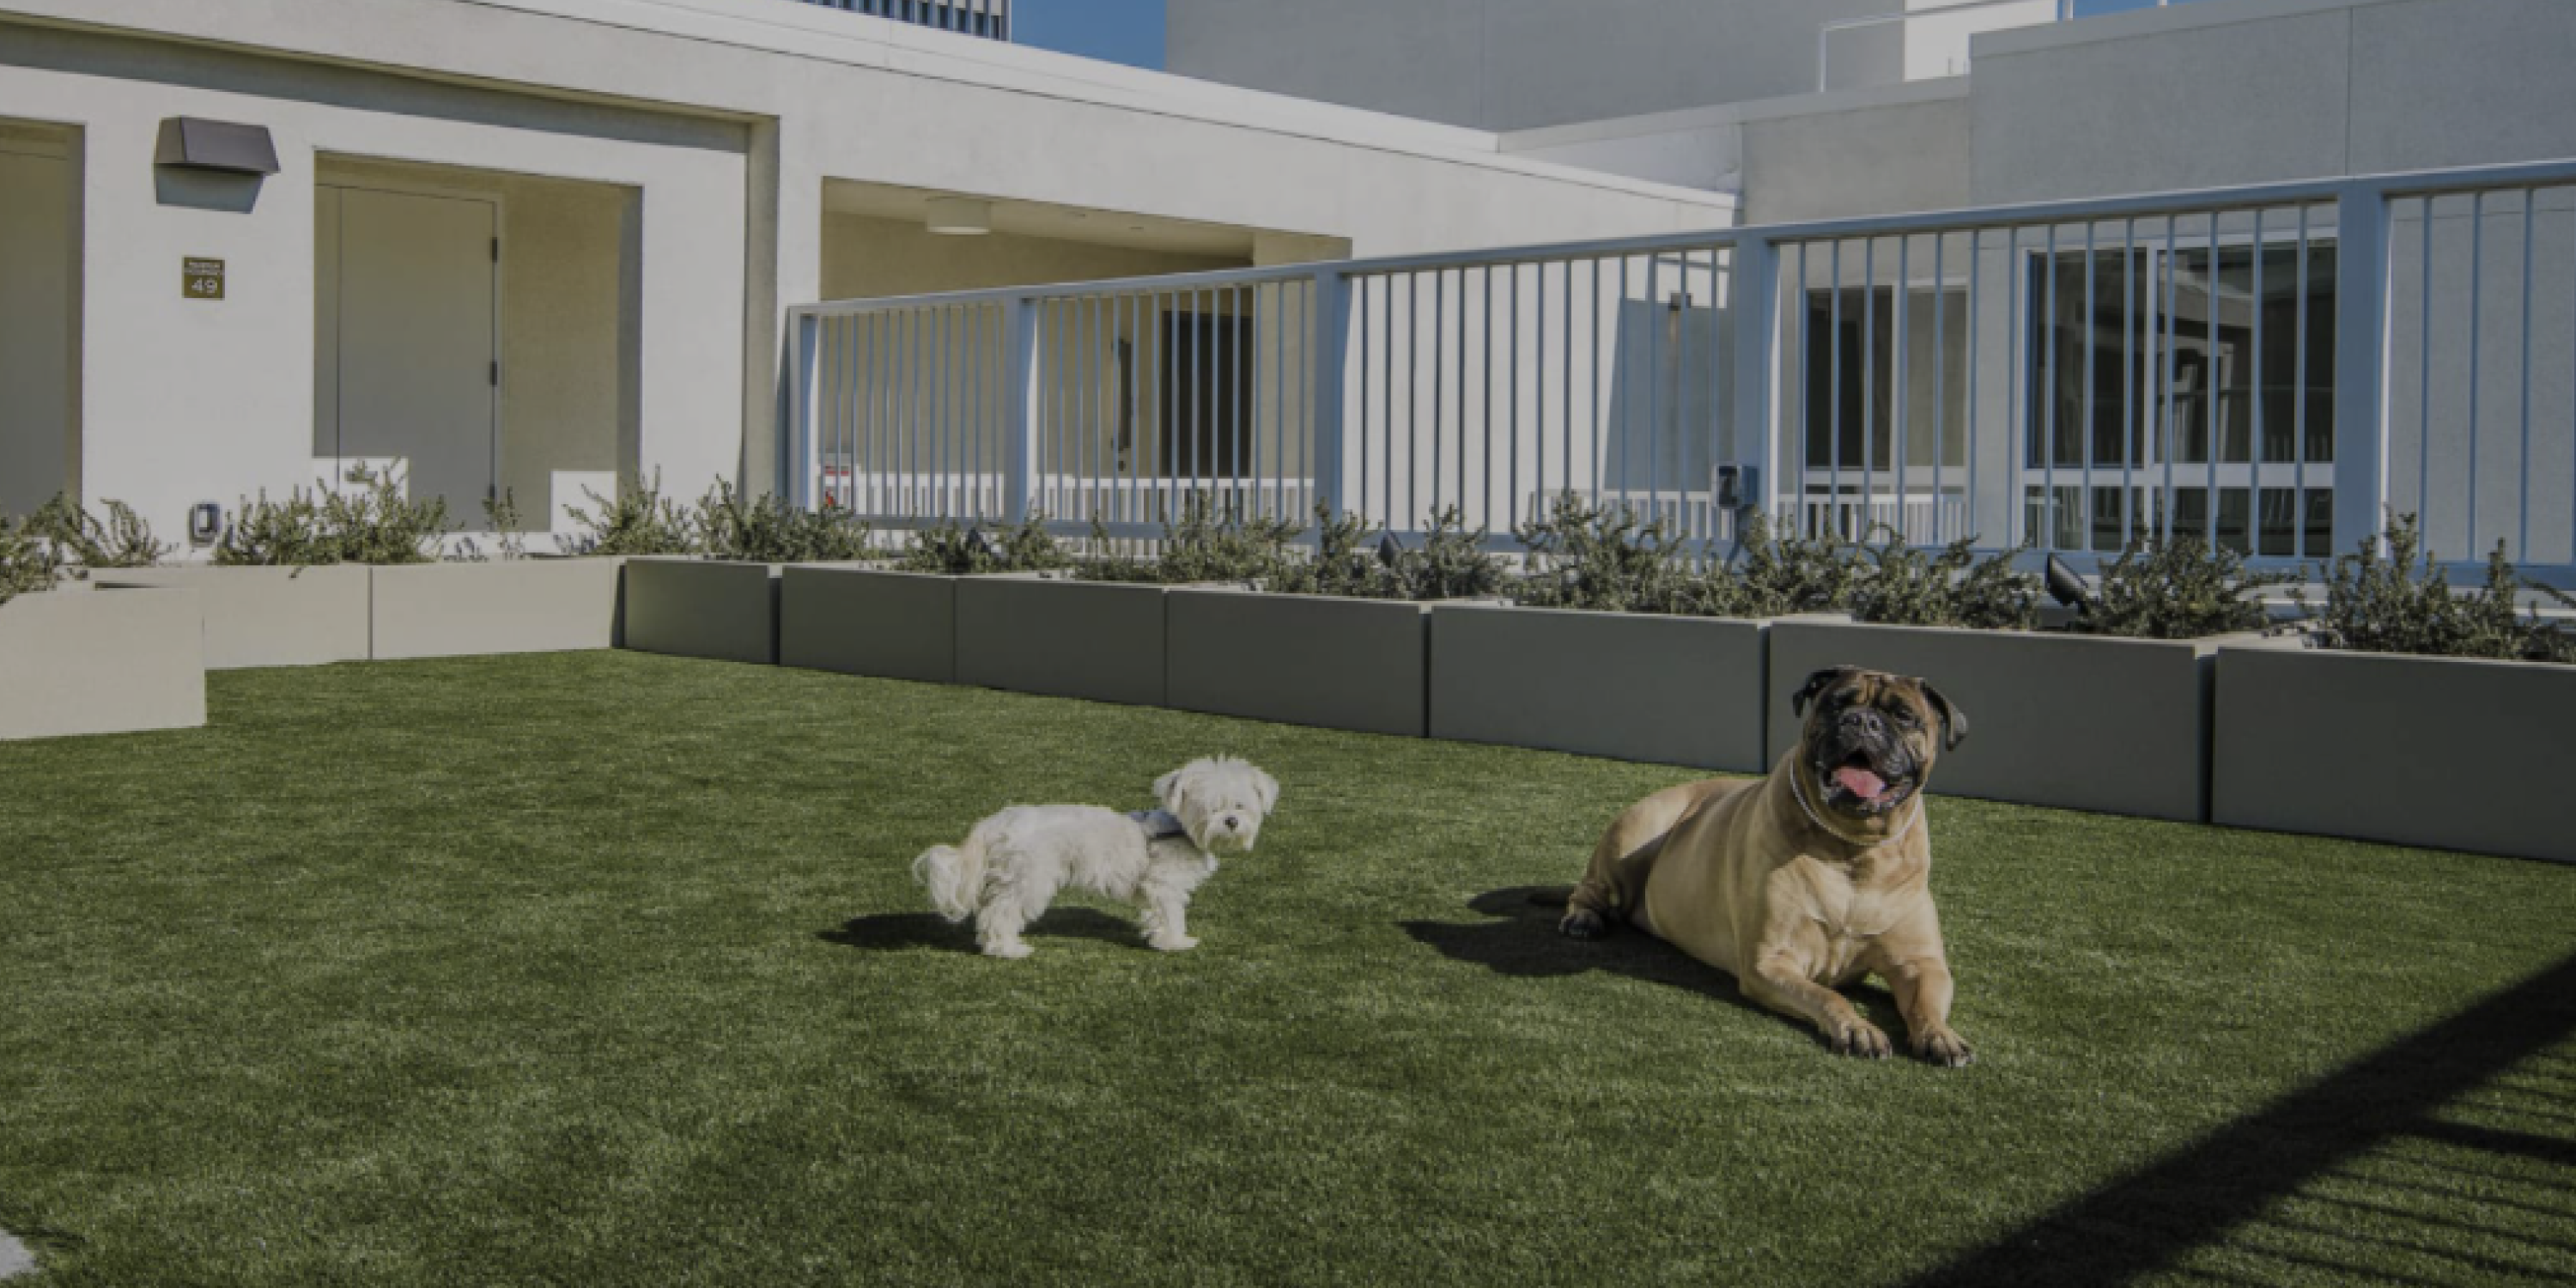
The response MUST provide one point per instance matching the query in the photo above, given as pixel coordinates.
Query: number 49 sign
(202, 279)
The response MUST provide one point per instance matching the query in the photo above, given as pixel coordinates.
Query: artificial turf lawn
(607, 969)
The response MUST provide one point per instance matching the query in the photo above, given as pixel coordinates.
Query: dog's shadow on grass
(897, 931)
(1520, 939)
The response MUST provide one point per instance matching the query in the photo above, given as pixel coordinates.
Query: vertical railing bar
(2170, 501)
(2254, 381)
(1439, 387)
(1868, 386)
(1485, 385)
(1512, 487)
(1565, 441)
(1834, 390)
(2084, 414)
(1940, 384)
(1976, 418)
(2016, 390)
(2209, 388)
(1592, 416)
(2477, 353)
(1360, 307)
(2522, 533)
(2047, 330)
(2423, 377)
(1806, 333)
(1903, 303)
(2128, 381)
(2299, 399)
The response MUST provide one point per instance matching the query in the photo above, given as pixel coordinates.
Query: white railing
(990, 19)
(2274, 367)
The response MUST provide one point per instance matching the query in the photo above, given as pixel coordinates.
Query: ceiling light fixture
(960, 216)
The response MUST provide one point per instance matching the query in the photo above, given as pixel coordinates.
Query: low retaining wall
(2463, 755)
(258, 616)
(2078, 722)
(710, 608)
(85, 662)
(1636, 686)
(1300, 659)
(861, 621)
(519, 606)
(1072, 639)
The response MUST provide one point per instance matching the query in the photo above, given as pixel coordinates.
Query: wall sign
(201, 279)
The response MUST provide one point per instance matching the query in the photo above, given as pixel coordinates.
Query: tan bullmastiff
(1806, 880)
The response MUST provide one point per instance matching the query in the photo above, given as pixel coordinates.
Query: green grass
(607, 969)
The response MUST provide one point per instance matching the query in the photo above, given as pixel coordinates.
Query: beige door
(406, 340)
(35, 329)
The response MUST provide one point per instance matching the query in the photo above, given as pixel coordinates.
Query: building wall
(1523, 64)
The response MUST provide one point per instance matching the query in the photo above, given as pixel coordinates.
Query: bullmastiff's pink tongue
(1860, 782)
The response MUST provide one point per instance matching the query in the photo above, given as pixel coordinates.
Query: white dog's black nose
(1231, 822)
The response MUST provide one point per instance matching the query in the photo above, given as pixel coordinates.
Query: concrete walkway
(14, 1258)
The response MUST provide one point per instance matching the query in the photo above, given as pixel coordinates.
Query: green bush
(1907, 586)
(1201, 548)
(2400, 602)
(78, 537)
(769, 529)
(638, 520)
(1771, 576)
(1604, 559)
(2178, 589)
(27, 564)
(375, 525)
(1451, 562)
(947, 548)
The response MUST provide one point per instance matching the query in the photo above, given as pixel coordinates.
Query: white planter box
(861, 621)
(83, 662)
(1300, 659)
(517, 606)
(2074, 721)
(2445, 752)
(259, 616)
(709, 608)
(1636, 686)
(1073, 639)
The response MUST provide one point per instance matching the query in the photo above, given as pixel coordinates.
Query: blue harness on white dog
(1159, 824)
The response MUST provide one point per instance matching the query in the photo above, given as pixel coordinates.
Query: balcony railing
(990, 19)
(2275, 368)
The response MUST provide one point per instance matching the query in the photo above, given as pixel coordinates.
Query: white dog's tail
(954, 877)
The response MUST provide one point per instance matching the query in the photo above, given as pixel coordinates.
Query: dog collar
(1159, 824)
(1828, 829)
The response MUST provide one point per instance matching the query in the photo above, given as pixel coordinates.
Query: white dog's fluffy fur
(1012, 863)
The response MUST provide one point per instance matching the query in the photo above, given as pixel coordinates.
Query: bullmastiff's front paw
(1583, 923)
(1858, 1037)
(1943, 1047)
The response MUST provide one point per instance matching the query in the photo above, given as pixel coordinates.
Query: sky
(1131, 31)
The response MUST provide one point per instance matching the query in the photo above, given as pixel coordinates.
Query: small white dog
(1013, 863)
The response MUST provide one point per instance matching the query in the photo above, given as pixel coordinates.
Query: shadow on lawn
(895, 931)
(1523, 942)
(2409, 1106)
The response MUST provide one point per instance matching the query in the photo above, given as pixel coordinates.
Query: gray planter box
(519, 606)
(860, 621)
(83, 662)
(1636, 686)
(269, 616)
(2446, 752)
(1073, 639)
(2078, 722)
(711, 608)
(1301, 659)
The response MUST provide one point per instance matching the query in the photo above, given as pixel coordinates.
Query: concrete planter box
(1073, 639)
(1302, 659)
(519, 606)
(270, 616)
(861, 621)
(711, 608)
(2446, 752)
(82, 662)
(2079, 722)
(1636, 686)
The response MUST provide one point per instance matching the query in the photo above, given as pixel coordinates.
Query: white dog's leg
(1166, 918)
(998, 923)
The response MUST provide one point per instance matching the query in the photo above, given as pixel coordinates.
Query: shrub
(374, 525)
(1199, 548)
(78, 537)
(2400, 602)
(769, 529)
(1772, 576)
(1451, 563)
(2178, 589)
(26, 564)
(501, 514)
(636, 521)
(1906, 586)
(950, 549)
(1602, 558)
